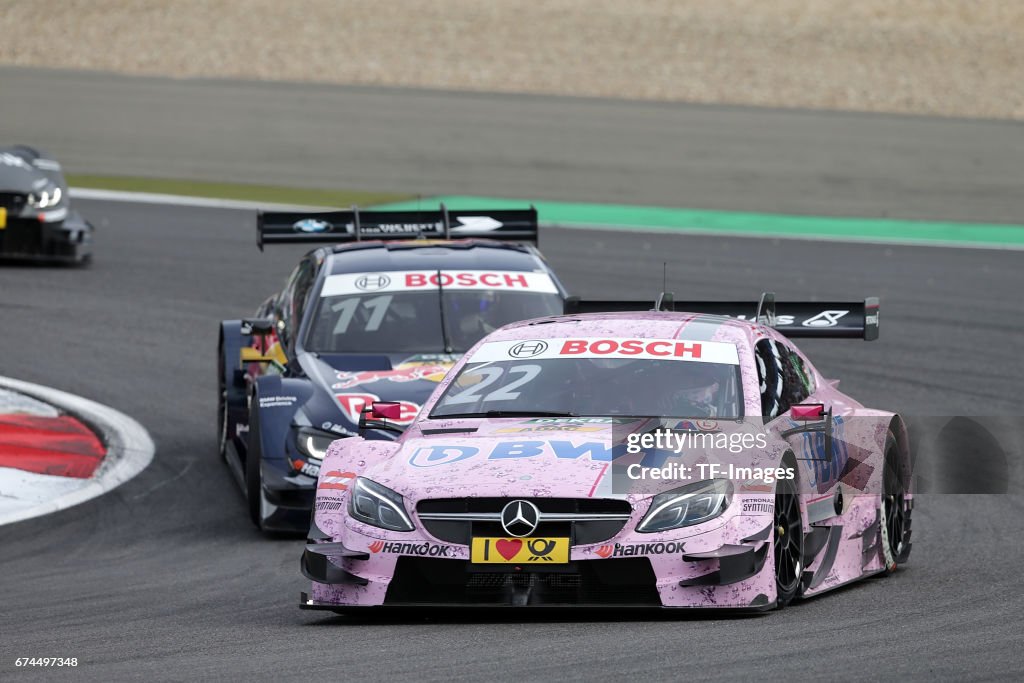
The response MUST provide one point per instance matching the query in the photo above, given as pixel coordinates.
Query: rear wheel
(222, 405)
(788, 542)
(894, 512)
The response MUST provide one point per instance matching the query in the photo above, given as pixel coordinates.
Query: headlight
(313, 443)
(47, 197)
(686, 506)
(378, 506)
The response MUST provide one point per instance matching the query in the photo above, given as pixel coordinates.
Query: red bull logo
(403, 373)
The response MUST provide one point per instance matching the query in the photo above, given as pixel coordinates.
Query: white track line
(129, 451)
(182, 200)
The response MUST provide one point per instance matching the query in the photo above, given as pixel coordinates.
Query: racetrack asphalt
(165, 578)
(537, 147)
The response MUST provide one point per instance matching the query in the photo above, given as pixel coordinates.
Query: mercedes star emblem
(519, 518)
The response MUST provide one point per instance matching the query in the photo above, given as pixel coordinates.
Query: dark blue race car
(380, 315)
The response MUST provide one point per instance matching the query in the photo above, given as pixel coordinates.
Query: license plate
(3, 217)
(534, 551)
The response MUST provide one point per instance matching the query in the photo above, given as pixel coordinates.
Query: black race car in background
(36, 221)
(378, 316)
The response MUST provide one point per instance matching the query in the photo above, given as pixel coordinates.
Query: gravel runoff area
(940, 57)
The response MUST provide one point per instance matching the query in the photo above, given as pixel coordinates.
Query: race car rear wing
(820, 319)
(275, 227)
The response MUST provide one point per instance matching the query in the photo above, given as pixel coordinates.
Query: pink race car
(616, 456)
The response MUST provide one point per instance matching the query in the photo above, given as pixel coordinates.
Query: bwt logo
(431, 456)
(311, 225)
(372, 283)
(528, 349)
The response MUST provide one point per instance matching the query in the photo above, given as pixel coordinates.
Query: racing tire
(222, 404)
(894, 510)
(253, 477)
(788, 542)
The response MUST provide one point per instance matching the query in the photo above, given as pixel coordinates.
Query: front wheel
(253, 478)
(788, 542)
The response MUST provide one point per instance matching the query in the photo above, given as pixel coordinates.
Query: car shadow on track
(525, 615)
(41, 263)
(564, 614)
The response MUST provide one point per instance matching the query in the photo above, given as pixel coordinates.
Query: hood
(542, 457)
(351, 382)
(17, 175)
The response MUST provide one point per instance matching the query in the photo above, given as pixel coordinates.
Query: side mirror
(260, 327)
(386, 410)
(807, 411)
(815, 419)
(377, 414)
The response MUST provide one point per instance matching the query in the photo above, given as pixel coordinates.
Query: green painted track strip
(646, 218)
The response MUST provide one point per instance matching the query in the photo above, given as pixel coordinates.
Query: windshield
(597, 386)
(411, 321)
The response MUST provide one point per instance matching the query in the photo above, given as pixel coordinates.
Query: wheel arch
(789, 459)
(274, 401)
(229, 350)
(232, 409)
(898, 428)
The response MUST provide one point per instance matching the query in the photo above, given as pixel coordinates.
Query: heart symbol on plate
(507, 548)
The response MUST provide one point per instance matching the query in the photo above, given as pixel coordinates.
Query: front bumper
(727, 568)
(288, 498)
(29, 239)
